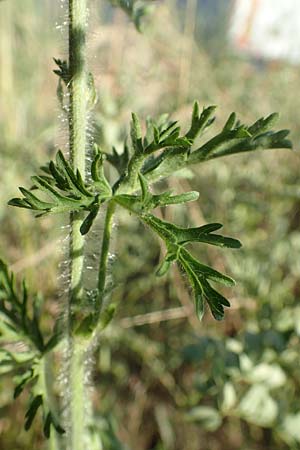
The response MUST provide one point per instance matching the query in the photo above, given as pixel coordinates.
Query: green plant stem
(105, 253)
(77, 404)
(77, 130)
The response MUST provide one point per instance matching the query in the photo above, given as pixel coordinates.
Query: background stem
(105, 253)
(47, 383)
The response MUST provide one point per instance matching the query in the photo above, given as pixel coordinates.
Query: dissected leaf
(198, 274)
(21, 320)
(234, 138)
(67, 190)
(198, 234)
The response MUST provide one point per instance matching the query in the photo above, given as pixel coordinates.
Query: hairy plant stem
(77, 402)
(77, 129)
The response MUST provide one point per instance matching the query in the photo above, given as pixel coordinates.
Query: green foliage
(229, 380)
(176, 238)
(17, 323)
(49, 419)
(14, 308)
(69, 193)
(176, 151)
(198, 274)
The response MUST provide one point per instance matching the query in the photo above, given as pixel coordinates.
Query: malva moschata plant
(68, 185)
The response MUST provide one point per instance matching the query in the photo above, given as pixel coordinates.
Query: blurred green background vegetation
(163, 380)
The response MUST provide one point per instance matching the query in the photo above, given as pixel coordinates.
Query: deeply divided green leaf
(197, 273)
